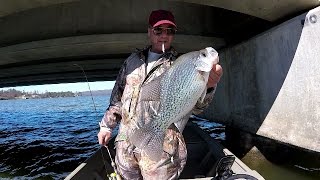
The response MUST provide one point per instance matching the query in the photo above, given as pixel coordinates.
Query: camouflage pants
(135, 164)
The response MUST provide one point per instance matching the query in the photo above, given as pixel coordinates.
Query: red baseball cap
(159, 17)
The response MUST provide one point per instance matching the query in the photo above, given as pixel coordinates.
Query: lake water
(49, 138)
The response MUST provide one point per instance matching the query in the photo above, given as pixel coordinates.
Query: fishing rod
(114, 175)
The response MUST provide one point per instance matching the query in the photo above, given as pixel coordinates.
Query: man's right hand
(104, 137)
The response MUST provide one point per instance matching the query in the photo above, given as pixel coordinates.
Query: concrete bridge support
(271, 84)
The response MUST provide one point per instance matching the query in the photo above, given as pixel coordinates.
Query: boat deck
(203, 153)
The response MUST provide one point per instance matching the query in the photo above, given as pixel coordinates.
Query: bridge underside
(45, 43)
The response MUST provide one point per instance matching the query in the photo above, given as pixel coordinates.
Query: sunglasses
(159, 30)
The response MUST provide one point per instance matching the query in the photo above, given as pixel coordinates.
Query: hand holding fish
(215, 75)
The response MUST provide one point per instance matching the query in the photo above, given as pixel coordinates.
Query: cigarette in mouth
(163, 47)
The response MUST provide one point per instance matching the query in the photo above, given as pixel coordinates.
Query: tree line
(16, 94)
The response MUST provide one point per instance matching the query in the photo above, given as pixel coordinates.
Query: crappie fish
(178, 90)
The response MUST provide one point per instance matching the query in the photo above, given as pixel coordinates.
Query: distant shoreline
(13, 94)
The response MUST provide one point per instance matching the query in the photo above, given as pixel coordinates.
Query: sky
(74, 87)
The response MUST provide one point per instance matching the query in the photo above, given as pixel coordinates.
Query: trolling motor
(224, 172)
(223, 168)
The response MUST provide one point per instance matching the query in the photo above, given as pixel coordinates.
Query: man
(141, 67)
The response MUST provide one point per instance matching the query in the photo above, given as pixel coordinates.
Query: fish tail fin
(149, 141)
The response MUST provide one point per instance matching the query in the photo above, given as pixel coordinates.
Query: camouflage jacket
(123, 106)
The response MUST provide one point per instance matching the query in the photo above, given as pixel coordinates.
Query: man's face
(159, 35)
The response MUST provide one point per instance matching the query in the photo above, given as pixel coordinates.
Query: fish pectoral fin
(151, 90)
(148, 141)
(204, 76)
(203, 95)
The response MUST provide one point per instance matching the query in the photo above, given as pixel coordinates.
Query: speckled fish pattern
(178, 89)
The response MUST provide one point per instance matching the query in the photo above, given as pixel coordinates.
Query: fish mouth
(206, 59)
(211, 55)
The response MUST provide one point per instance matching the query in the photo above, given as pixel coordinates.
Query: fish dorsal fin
(151, 90)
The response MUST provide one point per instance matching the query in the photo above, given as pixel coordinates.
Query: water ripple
(47, 138)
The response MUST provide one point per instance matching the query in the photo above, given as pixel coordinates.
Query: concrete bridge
(271, 83)
(269, 51)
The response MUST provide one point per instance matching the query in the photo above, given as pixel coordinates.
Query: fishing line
(85, 75)
(95, 109)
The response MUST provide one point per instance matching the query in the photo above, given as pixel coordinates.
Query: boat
(207, 159)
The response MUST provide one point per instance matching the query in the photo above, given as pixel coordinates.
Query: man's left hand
(215, 75)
